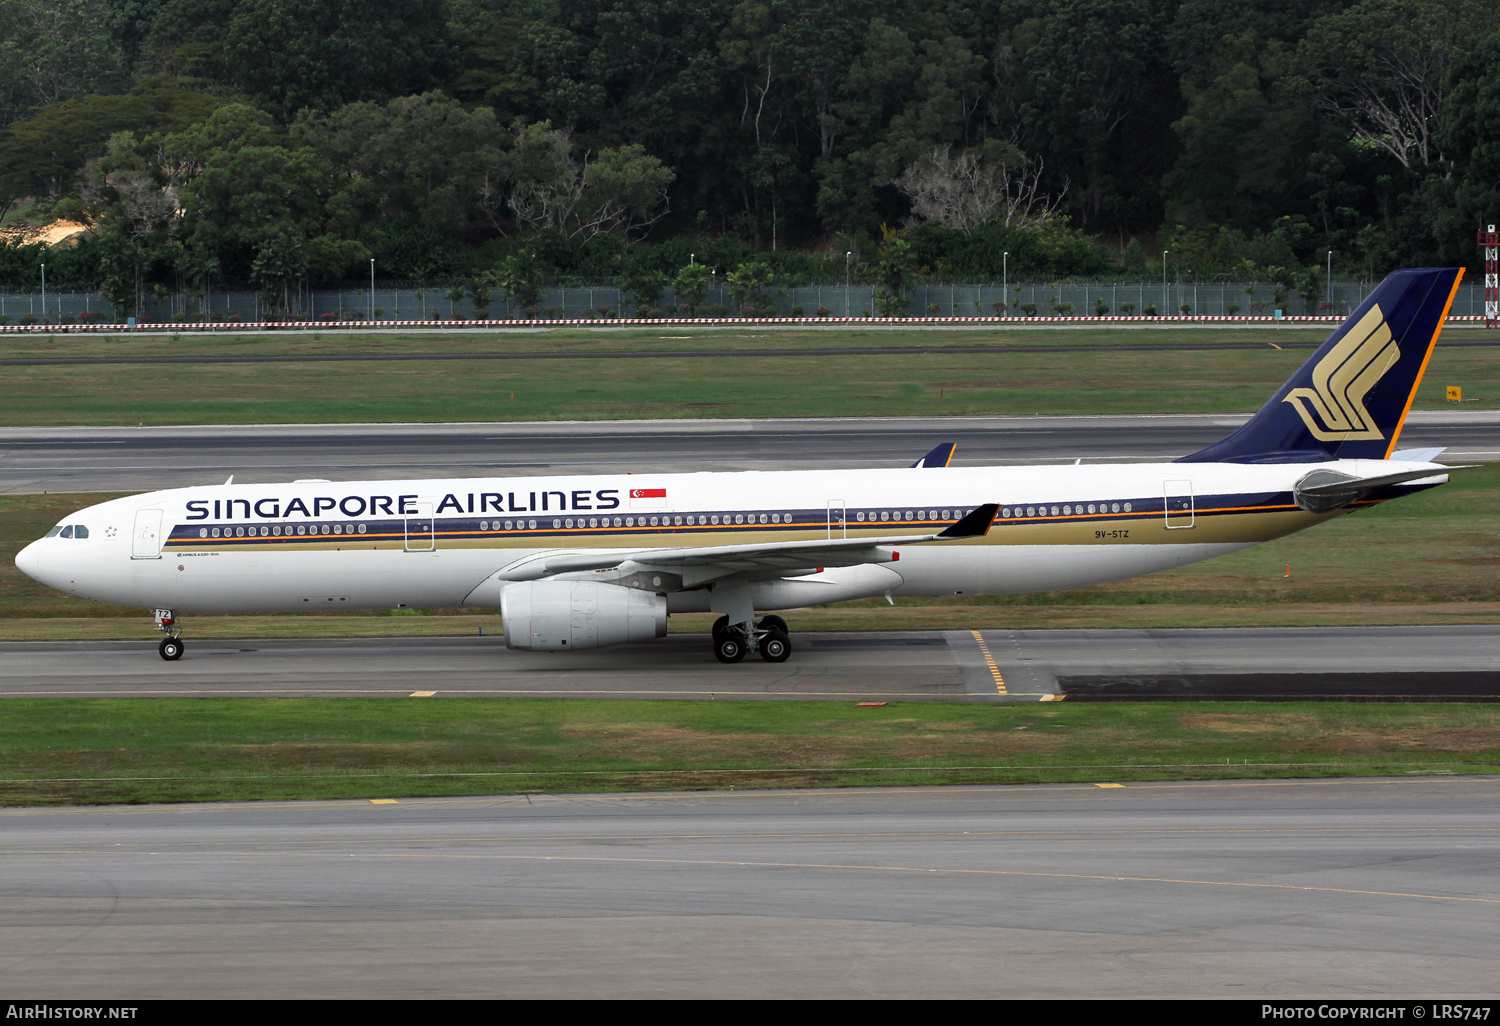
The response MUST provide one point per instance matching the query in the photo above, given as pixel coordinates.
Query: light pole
(44, 293)
(1164, 280)
(847, 255)
(1330, 281)
(372, 288)
(1005, 281)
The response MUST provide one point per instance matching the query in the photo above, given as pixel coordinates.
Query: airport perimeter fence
(1177, 300)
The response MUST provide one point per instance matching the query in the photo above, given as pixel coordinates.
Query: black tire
(775, 647)
(720, 626)
(774, 623)
(729, 649)
(170, 649)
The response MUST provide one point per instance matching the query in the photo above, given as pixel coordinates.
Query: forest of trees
(284, 143)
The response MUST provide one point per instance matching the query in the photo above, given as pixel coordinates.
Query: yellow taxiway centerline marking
(989, 661)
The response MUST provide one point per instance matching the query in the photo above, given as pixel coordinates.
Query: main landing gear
(171, 646)
(769, 637)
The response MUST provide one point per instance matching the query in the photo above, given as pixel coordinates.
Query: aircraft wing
(698, 565)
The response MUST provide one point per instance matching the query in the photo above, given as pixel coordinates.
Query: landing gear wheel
(773, 623)
(720, 626)
(170, 649)
(775, 647)
(729, 649)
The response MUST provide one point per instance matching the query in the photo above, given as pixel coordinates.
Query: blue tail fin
(1350, 400)
(940, 456)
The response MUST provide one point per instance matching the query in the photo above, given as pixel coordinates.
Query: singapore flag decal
(648, 498)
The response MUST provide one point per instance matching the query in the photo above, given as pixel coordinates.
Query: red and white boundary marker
(679, 322)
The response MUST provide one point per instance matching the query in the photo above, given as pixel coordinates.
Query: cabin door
(836, 526)
(146, 541)
(1178, 504)
(419, 529)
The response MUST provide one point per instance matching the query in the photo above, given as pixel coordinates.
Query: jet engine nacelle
(560, 616)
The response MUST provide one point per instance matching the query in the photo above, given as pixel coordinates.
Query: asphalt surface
(143, 459)
(1390, 663)
(1310, 889)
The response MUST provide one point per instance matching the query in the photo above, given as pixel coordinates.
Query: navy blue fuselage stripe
(1234, 504)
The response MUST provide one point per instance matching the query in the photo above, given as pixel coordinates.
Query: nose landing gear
(171, 647)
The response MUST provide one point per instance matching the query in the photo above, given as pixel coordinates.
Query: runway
(1288, 889)
(143, 459)
(1347, 663)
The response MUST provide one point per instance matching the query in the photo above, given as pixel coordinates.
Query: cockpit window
(80, 531)
(53, 533)
(67, 532)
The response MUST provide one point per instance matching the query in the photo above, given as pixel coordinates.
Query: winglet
(975, 525)
(940, 456)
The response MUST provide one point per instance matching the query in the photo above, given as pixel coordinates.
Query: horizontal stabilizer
(1418, 455)
(940, 456)
(1324, 491)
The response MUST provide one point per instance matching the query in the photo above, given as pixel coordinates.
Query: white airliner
(580, 562)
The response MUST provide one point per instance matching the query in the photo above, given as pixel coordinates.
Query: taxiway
(1320, 889)
(148, 458)
(1459, 663)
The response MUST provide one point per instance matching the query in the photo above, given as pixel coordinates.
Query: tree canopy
(257, 141)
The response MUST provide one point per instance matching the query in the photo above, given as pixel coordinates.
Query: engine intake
(560, 616)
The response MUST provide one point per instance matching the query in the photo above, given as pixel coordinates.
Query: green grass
(905, 381)
(108, 750)
(1429, 558)
(593, 340)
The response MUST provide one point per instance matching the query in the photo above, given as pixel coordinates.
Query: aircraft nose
(29, 562)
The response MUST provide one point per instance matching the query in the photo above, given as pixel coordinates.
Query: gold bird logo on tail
(1334, 410)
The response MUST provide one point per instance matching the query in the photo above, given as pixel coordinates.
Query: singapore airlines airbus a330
(580, 562)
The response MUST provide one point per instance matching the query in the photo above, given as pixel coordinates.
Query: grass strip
(55, 751)
(907, 381)
(630, 340)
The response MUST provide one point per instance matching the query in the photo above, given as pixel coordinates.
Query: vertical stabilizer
(1350, 400)
(940, 456)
